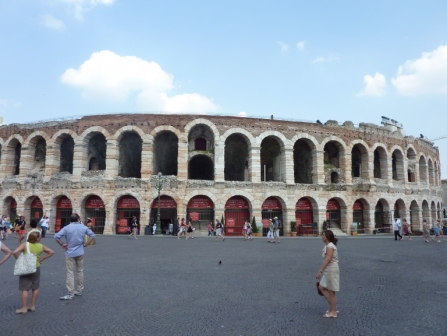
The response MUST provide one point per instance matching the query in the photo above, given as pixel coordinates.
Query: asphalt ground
(166, 286)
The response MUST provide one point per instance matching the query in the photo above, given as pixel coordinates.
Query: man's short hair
(33, 223)
(74, 218)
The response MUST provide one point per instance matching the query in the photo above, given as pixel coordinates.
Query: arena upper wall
(218, 166)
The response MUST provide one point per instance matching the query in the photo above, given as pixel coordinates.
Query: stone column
(112, 159)
(321, 216)
(146, 159)
(287, 217)
(51, 160)
(219, 161)
(288, 175)
(389, 165)
(256, 164)
(369, 218)
(370, 173)
(79, 165)
(347, 160)
(110, 223)
(318, 168)
(26, 161)
(346, 219)
(182, 172)
(3, 162)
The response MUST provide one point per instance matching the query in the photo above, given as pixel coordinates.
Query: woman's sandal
(327, 315)
(21, 311)
(31, 309)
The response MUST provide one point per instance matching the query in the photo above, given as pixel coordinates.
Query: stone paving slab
(176, 287)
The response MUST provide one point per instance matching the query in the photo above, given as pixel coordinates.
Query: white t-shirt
(44, 222)
(396, 225)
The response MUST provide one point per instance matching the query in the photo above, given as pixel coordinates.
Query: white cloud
(284, 47)
(301, 45)
(109, 76)
(374, 86)
(52, 23)
(425, 75)
(79, 7)
(6, 104)
(242, 114)
(322, 59)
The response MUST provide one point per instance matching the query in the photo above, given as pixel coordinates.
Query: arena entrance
(200, 210)
(13, 210)
(333, 214)
(168, 212)
(95, 210)
(127, 207)
(304, 217)
(271, 208)
(237, 210)
(64, 209)
(383, 216)
(357, 216)
(36, 209)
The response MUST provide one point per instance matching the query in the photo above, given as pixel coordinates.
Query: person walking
(329, 273)
(19, 227)
(8, 227)
(436, 231)
(133, 228)
(276, 230)
(6, 251)
(244, 230)
(182, 228)
(219, 232)
(31, 281)
(176, 224)
(210, 229)
(426, 231)
(249, 231)
(190, 231)
(441, 228)
(44, 224)
(270, 236)
(396, 227)
(406, 229)
(3, 227)
(74, 251)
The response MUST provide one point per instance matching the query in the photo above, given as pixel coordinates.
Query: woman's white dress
(331, 275)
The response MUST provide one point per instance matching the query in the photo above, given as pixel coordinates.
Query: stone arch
(412, 161)
(91, 131)
(165, 153)
(31, 138)
(112, 204)
(380, 161)
(163, 128)
(414, 209)
(334, 162)
(130, 147)
(359, 159)
(433, 210)
(12, 155)
(344, 225)
(201, 167)
(423, 169)
(129, 128)
(272, 155)
(383, 215)
(237, 157)
(361, 217)
(37, 144)
(431, 172)
(397, 163)
(63, 150)
(206, 193)
(198, 121)
(305, 159)
(248, 136)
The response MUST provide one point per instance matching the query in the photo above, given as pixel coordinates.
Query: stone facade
(220, 157)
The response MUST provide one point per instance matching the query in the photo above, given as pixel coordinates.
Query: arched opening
(399, 209)
(422, 170)
(201, 167)
(66, 155)
(271, 167)
(200, 211)
(359, 161)
(64, 209)
(411, 159)
(17, 156)
(201, 138)
(237, 158)
(398, 166)
(36, 209)
(38, 147)
(334, 177)
(333, 214)
(271, 208)
(304, 217)
(200, 144)
(332, 154)
(165, 154)
(97, 152)
(127, 207)
(431, 172)
(434, 216)
(11, 206)
(130, 148)
(358, 217)
(168, 212)
(237, 211)
(380, 163)
(302, 159)
(383, 216)
(95, 210)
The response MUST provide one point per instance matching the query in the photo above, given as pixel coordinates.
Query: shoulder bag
(25, 263)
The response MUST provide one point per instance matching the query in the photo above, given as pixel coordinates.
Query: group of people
(75, 240)
(18, 225)
(404, 229)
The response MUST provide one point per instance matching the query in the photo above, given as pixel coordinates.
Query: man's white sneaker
(77, 293)
(67, 297)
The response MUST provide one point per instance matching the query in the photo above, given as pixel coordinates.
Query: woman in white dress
(329, 273)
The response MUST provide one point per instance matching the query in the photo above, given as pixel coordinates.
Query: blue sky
(342, 60)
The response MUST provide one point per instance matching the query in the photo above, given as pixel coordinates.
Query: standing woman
(31, 281)
(329, 273)
(20, 228)
(189, 230)
(133, 228)
(182, 228)
(406, 230)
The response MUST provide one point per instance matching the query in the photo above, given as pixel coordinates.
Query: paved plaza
(166, 286)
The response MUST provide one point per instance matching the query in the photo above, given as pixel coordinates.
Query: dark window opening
(130, 155)
(270, 160)
(356, 162)
(165, 154)
(17, 155)
(93, 164)
(201, 167)
(97, 148)
(377, 168)
(200, 144)
(331, 154)
(67, 153)
(40, 151)
(236, 158)
(334, 177)
(302, 159)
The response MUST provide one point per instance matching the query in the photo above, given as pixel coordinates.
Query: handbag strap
(27, 248)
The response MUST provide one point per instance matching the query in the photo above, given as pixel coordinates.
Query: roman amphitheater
(110, 168)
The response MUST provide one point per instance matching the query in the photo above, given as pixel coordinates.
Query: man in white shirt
(44, 224)
(396, 227)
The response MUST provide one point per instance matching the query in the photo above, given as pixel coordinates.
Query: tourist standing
(133, 228)
(244, 230)
(33, 225)
(19, 228)
(6, 251)
(210, 228)
(436, 231)
(154, 228)
(396, 227)
(31, 281)
(182, 228)
(176, 224)
(74, 251)
(276, 230)
(44, 224)
(270, 236)
(426, 231)
(8, 227)
(406, 229)
(219, 232)
(329, 273)
(249, 231)
(190, 230)
(441, 228)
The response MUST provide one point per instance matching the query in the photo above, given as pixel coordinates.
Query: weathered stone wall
(49, 182)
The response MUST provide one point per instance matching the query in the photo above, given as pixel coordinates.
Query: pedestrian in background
(19, 227)
(133, 228)
(210, 228)
(396, 227)
(176, 224)
(441, 228)
(276, 230)
(44, 224)
(31, 281)
(426, 231)
(406, 229)
(219, 232)
(190, 230)
(33, 225)
(270, 237)
(329, 273)
(436, 231)
(74, 251)
(182, 228)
